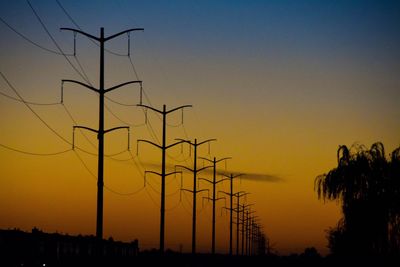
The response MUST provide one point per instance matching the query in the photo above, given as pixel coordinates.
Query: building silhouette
(39, 248)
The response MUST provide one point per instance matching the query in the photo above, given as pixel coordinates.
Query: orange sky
(279, 106)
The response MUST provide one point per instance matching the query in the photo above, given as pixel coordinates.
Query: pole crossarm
(216, 161)
(101, 39)
(120, 85)
(83, 84)
(149, 142)
(232, 176)
(120, 33)
(181, 107)
(226, 193)
(202, 190)
(159, 174)
(240, 194)
(81, 32)
(204, 179)
(196, 144)
(116, 128)
(86, 128)
(97, 90)
(216, 199)
(191, 170)
(163, 112)
(172, 145)
(197, 191)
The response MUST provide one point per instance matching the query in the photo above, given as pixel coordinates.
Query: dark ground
(178, 260)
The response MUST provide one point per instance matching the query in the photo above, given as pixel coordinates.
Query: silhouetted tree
(368, 186)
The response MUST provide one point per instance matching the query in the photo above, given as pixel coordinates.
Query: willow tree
(367, 185)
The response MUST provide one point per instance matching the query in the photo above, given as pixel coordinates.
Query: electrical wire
(122, 121)
(34, 112)
(173, 207)
(35, 153)
(105, 186)
(151, 198)
(29, 102)
(30, 41)
(119, 103)
(54, 41)
(80, 130)
(76, 24)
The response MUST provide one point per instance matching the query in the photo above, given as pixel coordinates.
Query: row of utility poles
(251, 231)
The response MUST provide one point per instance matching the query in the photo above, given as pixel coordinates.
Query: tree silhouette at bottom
(367, 185)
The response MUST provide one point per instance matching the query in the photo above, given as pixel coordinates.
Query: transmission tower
(164, 112)
(214, 182)
(243, 221)
(230, 194)
(100, 131)
(238, 195)
(195, 190)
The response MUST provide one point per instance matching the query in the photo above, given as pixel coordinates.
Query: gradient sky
(280, 84)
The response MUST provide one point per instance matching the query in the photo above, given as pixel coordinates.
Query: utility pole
(231, 194)
(194, 191)
(100, 131)
(243, 224)
(238, 195)
(164, 112)
(214, 182)
(253, 227)
(247, 230)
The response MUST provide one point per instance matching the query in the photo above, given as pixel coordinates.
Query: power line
(54, 41)
(48, 126)
(118, 118)
(119, 103)
(105, 186)
(75, 123)
(29, 107)
(76, 24)
(29, 102)
(35, 153)
(30, 41)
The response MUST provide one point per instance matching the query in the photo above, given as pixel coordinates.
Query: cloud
(258, 177)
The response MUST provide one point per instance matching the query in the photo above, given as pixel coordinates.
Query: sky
(279, 84)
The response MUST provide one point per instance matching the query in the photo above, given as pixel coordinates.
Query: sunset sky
(279, 84)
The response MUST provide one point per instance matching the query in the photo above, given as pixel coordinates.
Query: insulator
(141, 94)
(129, 139)
(62, 92)
(74, 43)
(129, 44)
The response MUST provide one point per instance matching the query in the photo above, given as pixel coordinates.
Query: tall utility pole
(231, 194)
(238, 195)
(100, 131)
(214, 182)
(163, 148)
(194, 191)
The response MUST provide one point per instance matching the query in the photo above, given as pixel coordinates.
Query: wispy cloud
(258, 177)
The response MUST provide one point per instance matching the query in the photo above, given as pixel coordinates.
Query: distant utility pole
(163, 148)
(238, 195)
(231, 194)
(248, 228)
(253, 225)
(243, 221)
(100, 131)
(214, 182)
(194, 191)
